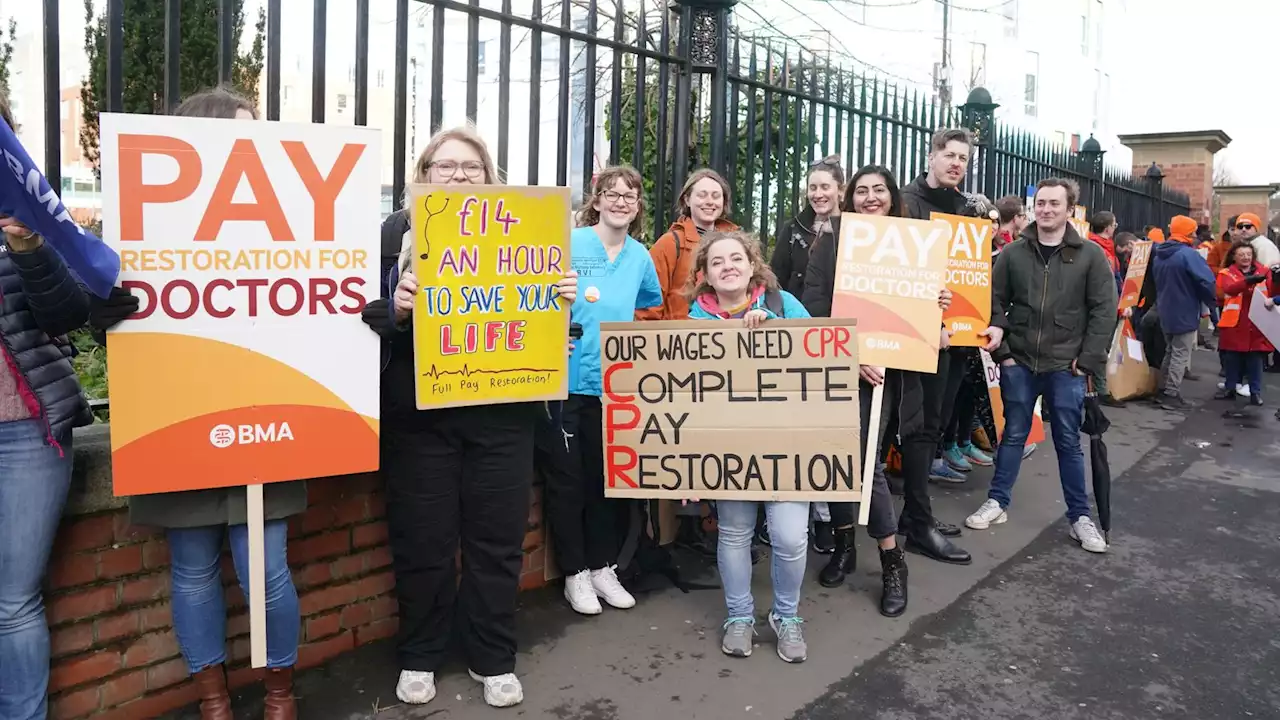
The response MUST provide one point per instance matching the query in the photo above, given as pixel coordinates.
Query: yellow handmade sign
(488, 325)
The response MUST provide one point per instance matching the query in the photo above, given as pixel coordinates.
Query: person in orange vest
(1243, 345)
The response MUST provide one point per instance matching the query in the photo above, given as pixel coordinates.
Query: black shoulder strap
(773, 302)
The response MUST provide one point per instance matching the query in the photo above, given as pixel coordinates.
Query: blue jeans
(1250, 363)
(789, 537)
(1063, 394)
(199, 610)
(34, 478)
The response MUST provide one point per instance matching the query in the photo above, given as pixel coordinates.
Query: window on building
(480, 48)
(977, 64)
(1097, 96)
(1010, 12)
(1098, 30)
(1085, 28)
(1032, 92)
(1104, 103)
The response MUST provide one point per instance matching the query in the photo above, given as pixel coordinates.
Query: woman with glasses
(453, 474)
(617, 277)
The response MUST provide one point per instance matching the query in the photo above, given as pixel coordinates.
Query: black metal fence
(664, 88)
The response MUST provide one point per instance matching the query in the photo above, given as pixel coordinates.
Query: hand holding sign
(19, 237)
(994, 336)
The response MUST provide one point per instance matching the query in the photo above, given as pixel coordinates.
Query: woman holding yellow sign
(458, 473)
(874, 191)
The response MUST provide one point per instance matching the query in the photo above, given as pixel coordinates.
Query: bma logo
(222, 436)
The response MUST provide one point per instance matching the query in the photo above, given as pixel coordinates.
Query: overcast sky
(1204, 66)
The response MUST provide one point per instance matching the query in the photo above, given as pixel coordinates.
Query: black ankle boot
(843, 559)
(893, 572)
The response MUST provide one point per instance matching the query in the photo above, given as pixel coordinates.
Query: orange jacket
(673, 259)
(1218, 254)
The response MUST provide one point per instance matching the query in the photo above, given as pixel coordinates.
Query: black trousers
(584, 525)
(882, 520)
(459, 475)
(959, 424)
(956, 361)
(920, 446)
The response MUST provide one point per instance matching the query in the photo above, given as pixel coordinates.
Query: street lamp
(1156, 177)
(978, 114)
(1091, 152)
(704, 40)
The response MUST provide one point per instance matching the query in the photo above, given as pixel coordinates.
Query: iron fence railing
(666, 88)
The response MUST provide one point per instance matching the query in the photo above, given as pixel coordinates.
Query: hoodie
(706, 307)
(673, 260)
(1109, 247)
(1184, 279)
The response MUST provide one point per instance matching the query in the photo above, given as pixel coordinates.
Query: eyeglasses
(448, 168)
(1244, 226)
(612, 196)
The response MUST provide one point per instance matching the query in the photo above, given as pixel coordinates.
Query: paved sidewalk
(1179, 620)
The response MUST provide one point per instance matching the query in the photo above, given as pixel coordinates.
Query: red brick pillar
(1186, 158)
(1236, 199)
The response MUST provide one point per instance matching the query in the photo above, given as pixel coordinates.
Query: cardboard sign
(992, 372)
(889, 272)
(968, 278)
(488, 324)
(1267, 321)
(251, 248)
(710, 410)
(1138, 262)
(1129, 375)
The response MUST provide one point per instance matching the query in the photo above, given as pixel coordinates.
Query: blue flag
(25, 194)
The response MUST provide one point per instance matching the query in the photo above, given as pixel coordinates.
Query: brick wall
(114, 650)
(1229, 209)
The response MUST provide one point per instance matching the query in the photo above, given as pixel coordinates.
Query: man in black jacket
(1054, 297)
(937, 191)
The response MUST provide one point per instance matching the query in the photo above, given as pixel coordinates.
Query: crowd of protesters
(462, 477)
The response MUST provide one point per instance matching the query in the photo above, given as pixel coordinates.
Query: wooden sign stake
(257, 578)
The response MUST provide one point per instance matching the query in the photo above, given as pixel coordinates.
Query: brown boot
(215, 703)
(279, 703)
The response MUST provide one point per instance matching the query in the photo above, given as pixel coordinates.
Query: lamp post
(1091, 153)
(978, 115)
(704, 40)
(1156, 177)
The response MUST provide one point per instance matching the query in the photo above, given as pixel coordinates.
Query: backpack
(773, 303)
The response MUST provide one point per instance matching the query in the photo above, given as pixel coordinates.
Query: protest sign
(252, 249)
(992, 372)
(1129, 375)
(1266, 320)
(712, 410)
(25, 194)
(1132, 287)
(1080, 221)
(968, 278)
(488, 324)
(889, 272)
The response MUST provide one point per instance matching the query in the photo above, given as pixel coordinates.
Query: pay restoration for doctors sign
(252, 248)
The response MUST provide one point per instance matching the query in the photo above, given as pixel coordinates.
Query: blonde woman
(453, 475)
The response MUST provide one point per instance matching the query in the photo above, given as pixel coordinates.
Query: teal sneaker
(975, 456)
(956, 459)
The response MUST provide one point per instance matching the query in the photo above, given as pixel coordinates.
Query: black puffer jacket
(40, 302)
(794, 242)
(922, 200)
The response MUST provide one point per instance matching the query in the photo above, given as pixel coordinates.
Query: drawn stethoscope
(426, 222)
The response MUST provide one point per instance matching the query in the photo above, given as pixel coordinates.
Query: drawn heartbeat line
(436, 373)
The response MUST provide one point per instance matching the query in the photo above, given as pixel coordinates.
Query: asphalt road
(1180, 620)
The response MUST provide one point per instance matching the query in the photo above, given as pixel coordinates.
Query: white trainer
(1084, 532)
(605, 582)
(580, 594)
(989, 514)
(500, 690)
(416, 687)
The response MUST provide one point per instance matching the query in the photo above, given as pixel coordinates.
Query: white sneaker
(1222, 384)
(416, 687)
(989, 514)
(500, 690)
(580, 594)
(605, 582)
(1242, 390)
(1084, 532)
